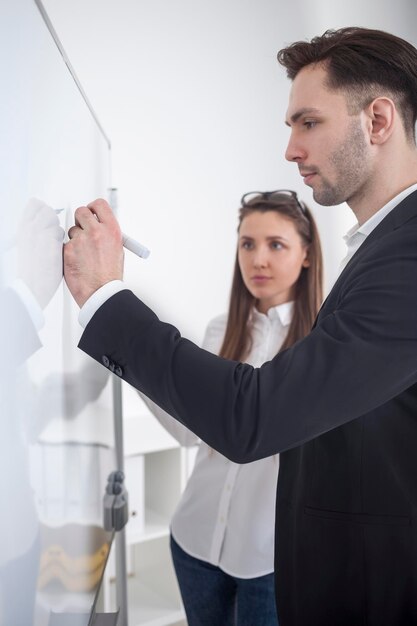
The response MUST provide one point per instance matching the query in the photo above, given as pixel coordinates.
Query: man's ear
(381, 115)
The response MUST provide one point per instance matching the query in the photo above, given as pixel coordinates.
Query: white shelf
(156, 526)
(150, 608)
(153, 596)
(143, 435)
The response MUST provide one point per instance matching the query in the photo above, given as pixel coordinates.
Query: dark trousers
(213, 598)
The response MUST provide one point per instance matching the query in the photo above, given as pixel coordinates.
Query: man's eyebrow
(305, 111)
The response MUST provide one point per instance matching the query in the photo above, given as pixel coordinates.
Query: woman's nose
(260, 258)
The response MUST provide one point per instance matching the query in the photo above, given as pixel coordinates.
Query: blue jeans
(213, 598)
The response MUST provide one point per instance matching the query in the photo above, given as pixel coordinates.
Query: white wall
(192, 96)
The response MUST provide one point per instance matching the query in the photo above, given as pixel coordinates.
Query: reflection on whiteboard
(56, 447)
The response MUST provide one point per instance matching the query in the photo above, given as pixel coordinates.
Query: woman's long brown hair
(308, 295)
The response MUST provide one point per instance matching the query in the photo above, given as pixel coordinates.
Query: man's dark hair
(365, 64)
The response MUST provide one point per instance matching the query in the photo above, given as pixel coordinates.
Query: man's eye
(310, 124)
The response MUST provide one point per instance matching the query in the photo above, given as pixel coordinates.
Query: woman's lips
(261, 279)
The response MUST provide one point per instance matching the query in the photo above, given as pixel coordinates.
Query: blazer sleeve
(361, 354)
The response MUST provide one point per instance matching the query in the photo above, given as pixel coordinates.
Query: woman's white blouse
(226, 515)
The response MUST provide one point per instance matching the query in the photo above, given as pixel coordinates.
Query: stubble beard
(350, 164)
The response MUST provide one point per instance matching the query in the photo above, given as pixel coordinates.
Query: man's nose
(295, 151)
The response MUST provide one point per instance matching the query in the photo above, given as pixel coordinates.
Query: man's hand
(94, 254)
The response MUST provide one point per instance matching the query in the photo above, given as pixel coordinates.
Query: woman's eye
(247, 245)
(276, 245)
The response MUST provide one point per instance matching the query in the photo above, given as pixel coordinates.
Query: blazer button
(105, 360)
(118, 371)
(112, 366)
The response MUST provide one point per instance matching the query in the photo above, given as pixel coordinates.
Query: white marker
(135, 247)
(129, 243)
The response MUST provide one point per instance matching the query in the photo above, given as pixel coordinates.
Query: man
(341, 405)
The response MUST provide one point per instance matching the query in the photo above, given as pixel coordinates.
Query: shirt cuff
(98, 298)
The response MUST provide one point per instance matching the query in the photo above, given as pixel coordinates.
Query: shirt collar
(282, 312)
(361, 232)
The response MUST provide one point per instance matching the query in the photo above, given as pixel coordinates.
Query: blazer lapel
(402, 213)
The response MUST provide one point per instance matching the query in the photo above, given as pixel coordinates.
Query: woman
(222, 533)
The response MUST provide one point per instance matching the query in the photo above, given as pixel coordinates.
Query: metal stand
(120, 511)
(80, 619)
(115, 503)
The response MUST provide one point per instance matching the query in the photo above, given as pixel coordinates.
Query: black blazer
(341, 408)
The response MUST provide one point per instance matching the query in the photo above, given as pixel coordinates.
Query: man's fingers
(99, 211)
(85, 218)
(74, 231)
(102, 210)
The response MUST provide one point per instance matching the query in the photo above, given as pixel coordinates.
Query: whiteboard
(56, 441)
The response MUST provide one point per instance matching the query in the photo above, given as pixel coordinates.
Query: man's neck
(390, 176)
(375, 202)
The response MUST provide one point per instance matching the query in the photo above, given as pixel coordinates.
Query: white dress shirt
(355, 237)
(226, 515)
